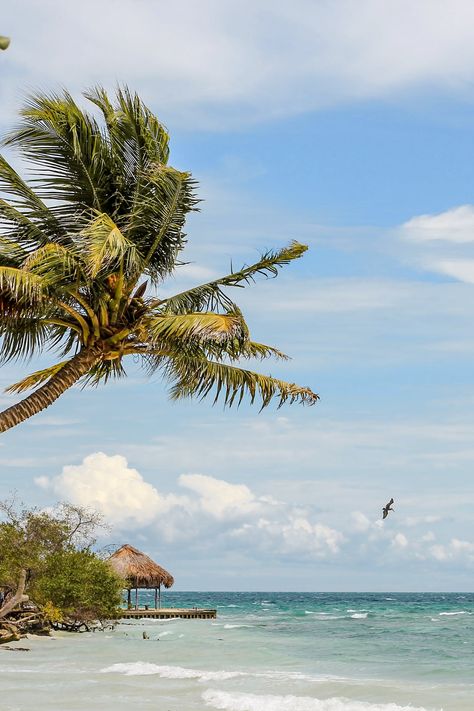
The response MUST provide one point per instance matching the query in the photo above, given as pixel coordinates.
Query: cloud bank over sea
(204, 512)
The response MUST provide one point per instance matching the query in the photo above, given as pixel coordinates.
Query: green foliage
(78, 584)
(85, 248)
(65, 577)
(27, 537)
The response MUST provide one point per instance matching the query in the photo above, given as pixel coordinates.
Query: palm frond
(136, 135)
(197, 327)
(12, 254)
(22, 337)
(200, 377)
(22, 285)
(157, 218)
(26, 209)
(55, 264)
(35, 379)
(104, 371)
(137, 142)
(233, 349)
(16, 227)
(250, 349)
(211, 296)
(69, 153)
(107, 248)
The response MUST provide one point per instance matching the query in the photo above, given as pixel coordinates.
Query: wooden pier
(164, 613)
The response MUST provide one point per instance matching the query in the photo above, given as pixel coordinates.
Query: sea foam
(252, 702)
(175, 672)
(168, 672)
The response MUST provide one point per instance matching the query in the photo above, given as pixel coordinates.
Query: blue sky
(347, 126)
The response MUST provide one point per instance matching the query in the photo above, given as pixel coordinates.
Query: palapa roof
(138, 570)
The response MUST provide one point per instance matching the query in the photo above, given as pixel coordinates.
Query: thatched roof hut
(139, 571)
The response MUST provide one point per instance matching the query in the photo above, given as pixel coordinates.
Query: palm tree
(85, 246)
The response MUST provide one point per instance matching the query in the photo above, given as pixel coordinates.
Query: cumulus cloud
(456, 549)
(294, 534)
(399, 540)
(212, 508)
(207, 511)
(108, 484)
(229, 61)
(221, 499)
(299, 534)
(360, 520)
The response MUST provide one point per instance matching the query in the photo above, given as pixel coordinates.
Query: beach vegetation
(47, 559)
(77, 586)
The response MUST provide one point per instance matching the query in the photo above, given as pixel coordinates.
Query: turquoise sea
(264, 652)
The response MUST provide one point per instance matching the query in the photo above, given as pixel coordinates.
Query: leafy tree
(85, 248)
(63, 575)
(79, 585)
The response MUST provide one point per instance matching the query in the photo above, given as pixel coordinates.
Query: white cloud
(295, 535)
(458, 546)
(217, 514)
(42, 481)
(217, 509)
(455, 225)
(443, 243)
(456, 549)
(219, 498)
(460, 269)
(400, 541)
(420, 520)
(361, 522)
(439, 552)
(242, 60)
(109, 485)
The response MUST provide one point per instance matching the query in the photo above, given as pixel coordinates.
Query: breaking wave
(253, 702)
(172, 672)
(167, 672)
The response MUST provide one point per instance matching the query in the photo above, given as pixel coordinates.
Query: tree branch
(17, 598)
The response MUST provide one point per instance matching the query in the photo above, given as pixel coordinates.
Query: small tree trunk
(17, 598)
(44, 396)
(9, 633)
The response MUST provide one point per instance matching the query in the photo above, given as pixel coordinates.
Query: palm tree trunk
(42, 398)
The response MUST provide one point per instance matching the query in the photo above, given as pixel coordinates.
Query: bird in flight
(387, 508)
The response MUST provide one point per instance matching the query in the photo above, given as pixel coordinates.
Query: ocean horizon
(266, 651)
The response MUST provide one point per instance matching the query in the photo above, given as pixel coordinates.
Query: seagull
(387, 508)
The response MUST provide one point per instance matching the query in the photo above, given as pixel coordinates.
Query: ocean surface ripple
(264, 652)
